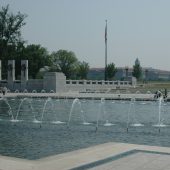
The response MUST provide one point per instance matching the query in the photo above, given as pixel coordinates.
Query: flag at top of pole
(106, 32)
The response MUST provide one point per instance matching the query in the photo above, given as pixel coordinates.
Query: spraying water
(10, 109)
(45, 104)
(132, 110)
(77, 101)
(99, 112)
(160, 123)
(15, 119)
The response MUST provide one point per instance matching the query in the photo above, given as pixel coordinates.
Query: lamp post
(106, 51)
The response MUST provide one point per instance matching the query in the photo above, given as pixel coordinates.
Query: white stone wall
(34, 84)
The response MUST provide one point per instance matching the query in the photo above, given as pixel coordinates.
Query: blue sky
(136, 28)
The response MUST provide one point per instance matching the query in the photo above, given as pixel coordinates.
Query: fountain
(148, 92)
(138, 92)
(48, 100)
(55, 115)
(132, 110)
(16, 91)
(160, 120)
(77, 101)
(25, 91)
(9, 107)
(79, 115)
(57, 121)
(108, 124)
(102, 112)
(15, 118)
(34, 91)
(44, 110)
(43, 91)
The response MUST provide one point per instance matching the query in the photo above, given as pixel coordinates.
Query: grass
(154, 86)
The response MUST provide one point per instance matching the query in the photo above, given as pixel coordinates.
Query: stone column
(11, 73)
(24, 70)
(0, 71)
(24, 73)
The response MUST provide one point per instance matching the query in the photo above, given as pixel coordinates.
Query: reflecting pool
(32, 128)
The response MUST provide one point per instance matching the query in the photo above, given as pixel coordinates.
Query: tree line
(13, 47)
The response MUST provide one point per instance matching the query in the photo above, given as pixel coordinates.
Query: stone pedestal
(11, 73)
(54, 81)
(24, 73)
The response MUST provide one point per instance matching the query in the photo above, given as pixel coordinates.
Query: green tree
(82, 70)
(137, 70)
(10, 34)
(111, 71)
(64, 61)
(37, 57)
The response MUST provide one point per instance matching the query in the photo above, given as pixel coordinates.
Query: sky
(136, 29)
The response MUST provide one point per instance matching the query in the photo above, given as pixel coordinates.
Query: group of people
(159, 94)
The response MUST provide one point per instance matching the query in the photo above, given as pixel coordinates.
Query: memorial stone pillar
(0, 71)
(24, 73)
(11, 73)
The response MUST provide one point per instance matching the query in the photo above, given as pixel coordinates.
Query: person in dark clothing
(4, 90)
(166, 94)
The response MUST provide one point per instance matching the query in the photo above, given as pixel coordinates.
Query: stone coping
(72, 95)
(88, 157)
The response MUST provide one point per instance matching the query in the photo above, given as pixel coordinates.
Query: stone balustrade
(97, 85)
(98, 82)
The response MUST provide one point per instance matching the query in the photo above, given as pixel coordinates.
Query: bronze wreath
(9, 67)
(23, 68)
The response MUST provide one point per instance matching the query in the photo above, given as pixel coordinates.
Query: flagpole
(106, 51)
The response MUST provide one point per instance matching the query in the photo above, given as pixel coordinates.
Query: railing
(98, 82)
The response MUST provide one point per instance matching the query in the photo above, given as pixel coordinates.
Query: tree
(10, 34)
(64, 61)
(137, 70)
(37, 57)
(111, 71)
(82, 70)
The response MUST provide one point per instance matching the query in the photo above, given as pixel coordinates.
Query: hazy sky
(136, 28)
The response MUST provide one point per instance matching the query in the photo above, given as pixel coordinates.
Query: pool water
(30, 140)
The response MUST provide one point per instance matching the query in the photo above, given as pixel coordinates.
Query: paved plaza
(138, 161)
(115, 156)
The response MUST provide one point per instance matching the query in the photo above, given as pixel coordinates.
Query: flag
(106, 32)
